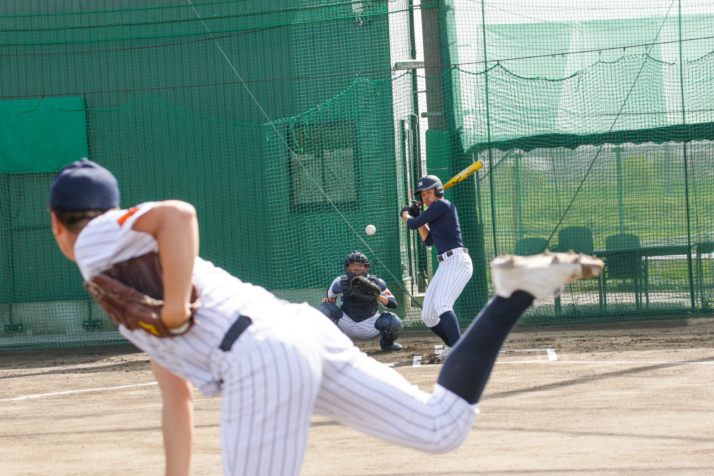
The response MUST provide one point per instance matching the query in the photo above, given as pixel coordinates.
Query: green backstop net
(293, 125)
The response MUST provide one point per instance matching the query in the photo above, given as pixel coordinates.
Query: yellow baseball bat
(467, 172)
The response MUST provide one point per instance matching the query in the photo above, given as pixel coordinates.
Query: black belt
(443, 256)
(234, 332)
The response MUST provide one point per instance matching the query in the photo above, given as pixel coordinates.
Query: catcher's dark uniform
(358, 315)
(360, 295)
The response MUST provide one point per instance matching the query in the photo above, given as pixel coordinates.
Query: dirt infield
(629, 398)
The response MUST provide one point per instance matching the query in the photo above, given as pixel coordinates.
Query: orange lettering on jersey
(126, 216)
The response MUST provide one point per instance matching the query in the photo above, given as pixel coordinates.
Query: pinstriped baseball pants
(445, 287)
(282, 370)
(359, 330)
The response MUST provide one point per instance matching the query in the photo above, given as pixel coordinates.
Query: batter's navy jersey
(444, 226)
(455, 270)
(289, 363)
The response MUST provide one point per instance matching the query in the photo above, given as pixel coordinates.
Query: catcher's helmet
(428, 182)
(356, 257)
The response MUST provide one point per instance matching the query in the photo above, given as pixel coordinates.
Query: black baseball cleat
(391, 347)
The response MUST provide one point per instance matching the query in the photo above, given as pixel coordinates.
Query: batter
(439, 226)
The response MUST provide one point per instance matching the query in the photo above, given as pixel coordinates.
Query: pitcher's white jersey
(110, 239)
(289, 363)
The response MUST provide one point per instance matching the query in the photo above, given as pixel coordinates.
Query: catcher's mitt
(131, 293)
(365, 289)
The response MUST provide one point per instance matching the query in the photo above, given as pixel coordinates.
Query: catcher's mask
(427, 183)
(356, 257)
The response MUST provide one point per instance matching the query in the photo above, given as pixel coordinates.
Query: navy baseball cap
(84, 185)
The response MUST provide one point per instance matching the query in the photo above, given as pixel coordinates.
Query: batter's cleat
(541, 275)
(393, 347)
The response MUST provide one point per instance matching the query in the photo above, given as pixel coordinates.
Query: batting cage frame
(293, 125)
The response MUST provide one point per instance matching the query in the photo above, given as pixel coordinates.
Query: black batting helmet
(428, 182)
(356, 257)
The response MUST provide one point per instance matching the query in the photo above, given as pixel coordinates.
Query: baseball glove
(131, 293)
(365, 289)
(415, 208)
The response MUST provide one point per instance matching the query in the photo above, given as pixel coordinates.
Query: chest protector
(359, 309)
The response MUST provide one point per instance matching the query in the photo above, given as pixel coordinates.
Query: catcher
(360, 294)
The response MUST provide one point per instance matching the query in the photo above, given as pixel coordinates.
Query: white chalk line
(602, 362)
(68, 392)
(552, 358)
(576, 362)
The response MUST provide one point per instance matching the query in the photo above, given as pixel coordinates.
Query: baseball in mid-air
(370, 230)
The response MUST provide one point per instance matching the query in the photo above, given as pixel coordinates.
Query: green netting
(292, 125)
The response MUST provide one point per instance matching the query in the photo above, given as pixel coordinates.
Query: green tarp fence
(292, 125)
